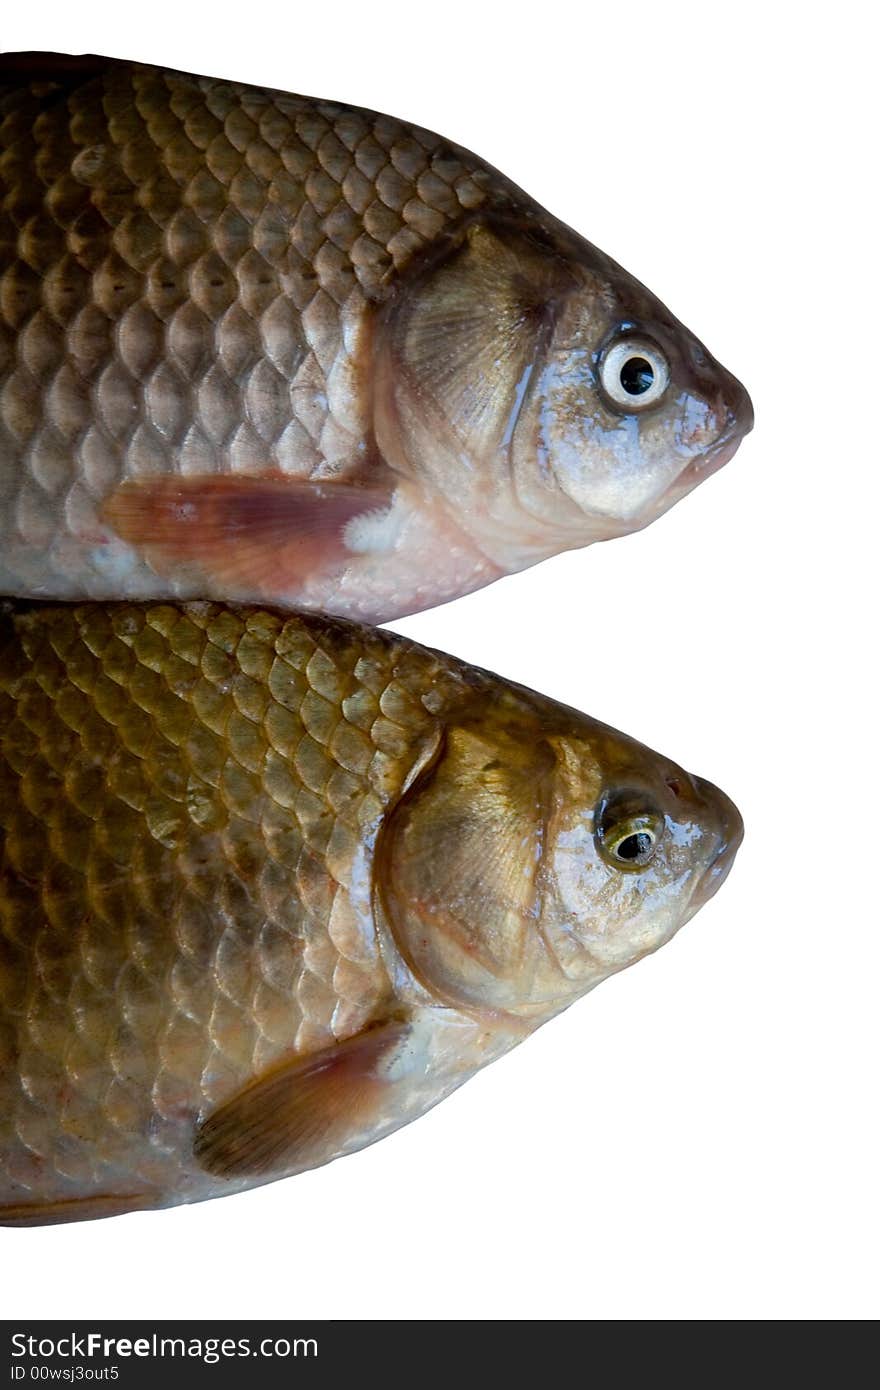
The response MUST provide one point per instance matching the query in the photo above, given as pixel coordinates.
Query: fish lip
(715, 458)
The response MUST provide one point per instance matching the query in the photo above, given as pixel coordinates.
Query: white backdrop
(697, 1139)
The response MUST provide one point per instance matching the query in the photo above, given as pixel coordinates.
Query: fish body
(273, 885)
(261, 346)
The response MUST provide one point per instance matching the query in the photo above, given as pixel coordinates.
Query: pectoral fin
(252, 535)
(74, 1209)
(304, 1111)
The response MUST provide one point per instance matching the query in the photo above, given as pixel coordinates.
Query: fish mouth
(739, 420)
(730, 837)
(715, 458)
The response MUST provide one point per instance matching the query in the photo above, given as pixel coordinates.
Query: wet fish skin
(273, 885)
(255, 345)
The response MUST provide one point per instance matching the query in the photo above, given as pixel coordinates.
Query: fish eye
(628, 832)
(634, 373)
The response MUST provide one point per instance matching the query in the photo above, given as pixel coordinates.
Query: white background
(697, 1139)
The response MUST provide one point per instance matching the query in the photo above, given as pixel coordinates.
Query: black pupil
(636, 376)
(634, 847)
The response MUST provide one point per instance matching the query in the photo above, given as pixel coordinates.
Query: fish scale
(175, 961)
(185, 284)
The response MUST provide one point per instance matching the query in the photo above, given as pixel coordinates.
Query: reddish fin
(262, 535)
(301, 1113)
(73, 1209)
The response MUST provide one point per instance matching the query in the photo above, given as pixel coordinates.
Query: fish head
(527, 864)
(635, 845)
(545, 395)
(629, 411)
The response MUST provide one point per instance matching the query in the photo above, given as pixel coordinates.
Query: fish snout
(740, 411)
(715, 428)
(736, 414)
(729, 830)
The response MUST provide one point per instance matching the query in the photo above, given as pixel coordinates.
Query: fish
(270, 348)
(273, 885)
